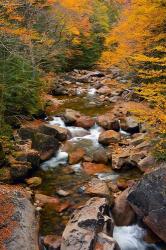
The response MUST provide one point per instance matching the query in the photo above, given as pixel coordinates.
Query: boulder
(100, 156)
(59, 133)
(108, 137)
(19, 225)
(70, 116)
(97, 187)
(127, 159)
(122, 212)
(85, 225)
(130, 125)
(85, 122)
(93, 168)
(148, 200)
(109, 123)
(76, 156)
(47, 145)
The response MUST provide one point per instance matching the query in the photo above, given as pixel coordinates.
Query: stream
(54, 175)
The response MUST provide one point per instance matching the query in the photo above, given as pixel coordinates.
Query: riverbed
(55, 173)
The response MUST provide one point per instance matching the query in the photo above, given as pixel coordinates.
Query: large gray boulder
(83, 231)
(18, 223)
(148, 199)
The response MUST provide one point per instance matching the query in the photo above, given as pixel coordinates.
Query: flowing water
(54, 176)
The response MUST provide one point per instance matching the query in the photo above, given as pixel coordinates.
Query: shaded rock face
(18, 224)
(83, 230)
(47, 145)
(122, 212)
(130, 125)
(26, 133)
(59, 133)
(148, 200)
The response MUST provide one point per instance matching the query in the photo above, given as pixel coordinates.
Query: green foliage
(19, 86)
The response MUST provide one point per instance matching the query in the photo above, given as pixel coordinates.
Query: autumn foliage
(137, 45)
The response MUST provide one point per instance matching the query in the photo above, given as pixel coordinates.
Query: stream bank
(90, 146)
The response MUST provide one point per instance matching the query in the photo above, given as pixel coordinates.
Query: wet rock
(148, 201)
(130, 125)
(62, 206)
(109, 123)
(85, 122)
(93, 168)
(59, 133)
(44, 199)
(105, 242)
(108, 137)
(34, 181)
(122, 211)
(52, 242)
(76, 156)
(100, 156)
(70, 116)
(122, 183)
(19, 225)
(62, 193)
(104, 90)
(47, 145)
(97, 187)
(85, 224)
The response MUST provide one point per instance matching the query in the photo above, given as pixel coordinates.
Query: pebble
(38, 209)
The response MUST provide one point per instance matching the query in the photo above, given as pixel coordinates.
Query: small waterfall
(60, 158)
(131, 238)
